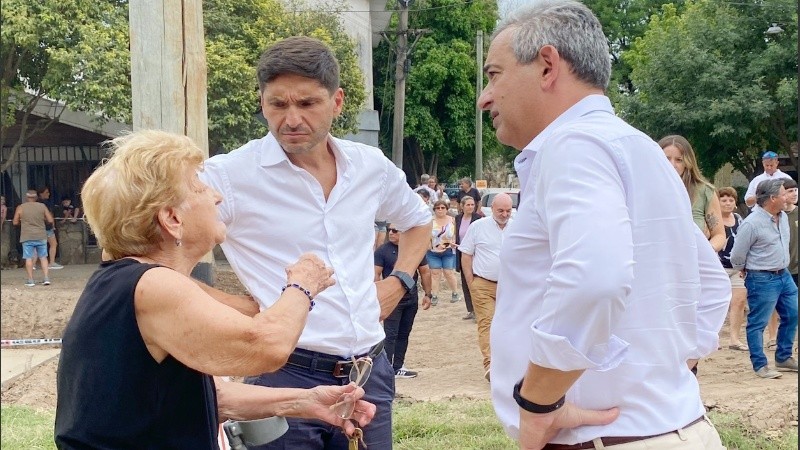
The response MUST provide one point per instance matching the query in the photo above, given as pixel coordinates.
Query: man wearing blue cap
(771, 172)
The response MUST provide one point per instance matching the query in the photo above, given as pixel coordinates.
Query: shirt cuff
(557, 352)
(707, 343)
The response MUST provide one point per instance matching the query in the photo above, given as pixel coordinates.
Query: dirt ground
(443, 349)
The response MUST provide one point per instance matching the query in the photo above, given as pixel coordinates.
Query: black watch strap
(535, 407)
(405, 279)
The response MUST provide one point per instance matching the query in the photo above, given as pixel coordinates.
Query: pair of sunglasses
(359, 374)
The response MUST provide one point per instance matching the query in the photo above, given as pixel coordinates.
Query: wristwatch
(536, 408)
(405, 279)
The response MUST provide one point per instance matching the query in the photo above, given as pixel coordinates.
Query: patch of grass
(457, 424)
(472, 424)
(26, 428)
(736, 436)
(448, 424)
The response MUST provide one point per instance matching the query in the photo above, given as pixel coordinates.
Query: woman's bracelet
(304, 291)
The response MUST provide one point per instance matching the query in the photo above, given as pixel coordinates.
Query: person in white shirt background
(300, 190)
(480, 263)
(769, 160)
(607, 290)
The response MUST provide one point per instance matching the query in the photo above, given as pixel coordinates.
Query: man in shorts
(32, 218)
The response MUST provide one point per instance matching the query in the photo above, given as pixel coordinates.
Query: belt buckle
(342, 369)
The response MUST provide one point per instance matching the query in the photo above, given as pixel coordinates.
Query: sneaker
(56, 266)
(46, 282)
(454, 297)
(470, 316)
(766, 372)
(434, 300)
(405, 373)
(788, 364)
(30, 283)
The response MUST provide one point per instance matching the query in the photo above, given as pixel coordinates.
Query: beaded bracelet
(304, 290)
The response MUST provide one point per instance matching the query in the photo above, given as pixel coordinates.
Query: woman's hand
(318, 401)
(311, 273)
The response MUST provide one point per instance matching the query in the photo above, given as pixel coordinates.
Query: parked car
(451, 191)
(488, 194)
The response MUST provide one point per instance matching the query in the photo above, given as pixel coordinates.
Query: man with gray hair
(467, 189)
(761, 251)
(603, 282)
(424, 186)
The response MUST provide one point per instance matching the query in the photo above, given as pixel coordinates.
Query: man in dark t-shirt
(398, 325)
(468, 189)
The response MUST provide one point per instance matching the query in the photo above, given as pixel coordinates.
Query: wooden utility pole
(168, 76)
(478, 111)
(400, 85)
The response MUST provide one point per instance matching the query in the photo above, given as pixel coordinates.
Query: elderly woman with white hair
(145, 339)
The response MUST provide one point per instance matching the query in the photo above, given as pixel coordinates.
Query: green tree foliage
(67, 50)
(77, 52)
(439, 132)
(236, 34)
(711, 74)
(623, 21)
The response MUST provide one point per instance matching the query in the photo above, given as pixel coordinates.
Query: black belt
(482, 278)
(615, 440)
(323, 362)
(774, 272)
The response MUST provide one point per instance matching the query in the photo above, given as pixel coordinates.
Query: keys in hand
(355, 439)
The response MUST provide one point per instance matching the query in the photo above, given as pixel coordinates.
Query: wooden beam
(168, 76)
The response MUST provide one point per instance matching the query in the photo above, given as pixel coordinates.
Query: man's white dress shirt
(603, 269)
(275, 211)
(483, 240)
(751, 188)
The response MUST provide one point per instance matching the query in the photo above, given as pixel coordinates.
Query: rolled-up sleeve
(741, 245)
(399, 204)
(592, 270)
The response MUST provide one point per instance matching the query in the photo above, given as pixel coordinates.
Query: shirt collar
(272, 153)
(586, 105)
(758, 209)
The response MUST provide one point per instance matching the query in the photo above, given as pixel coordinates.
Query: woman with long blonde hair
(706, 209)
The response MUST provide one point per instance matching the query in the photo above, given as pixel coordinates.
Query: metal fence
(62, 169)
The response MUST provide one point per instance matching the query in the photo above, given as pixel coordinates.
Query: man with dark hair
(791, 213)
(761, 252)
(44, 197)
(605, 280)
(399, 323)
(299, 189)
(425, 196)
